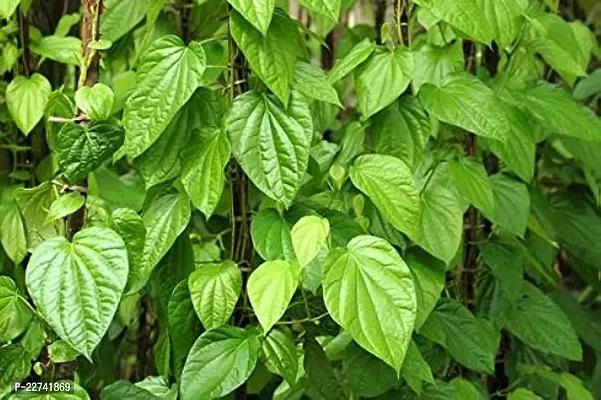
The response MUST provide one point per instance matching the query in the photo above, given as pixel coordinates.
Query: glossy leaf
(96, 101)
(271, 236)
(65, 205)
(312, 82)
(309, 235)
(471, 179)
(130, 226)
(258, 13)
(281, 354)
(14, 312)
(352, 60)
(26, 99)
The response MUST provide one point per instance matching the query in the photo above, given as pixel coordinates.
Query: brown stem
(380, 17)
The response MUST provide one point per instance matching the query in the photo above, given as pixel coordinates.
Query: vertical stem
(380, 17)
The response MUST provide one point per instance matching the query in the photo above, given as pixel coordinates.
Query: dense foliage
(323, 199)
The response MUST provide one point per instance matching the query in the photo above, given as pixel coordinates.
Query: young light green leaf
(120, 17)
(270, 143)
(328, 8)
(15, 315)
(12, 233)
(369, 291)
(522, 394)
(280, 355)
(352, 60)
(471, 179)
(258, 13)
(97, 101)
(8, 7)
(309, 235)
(272, 57)
(77, 286)
(313, 82)
(271, 236)
(34, 204)
(389, 184)
(65, 205)
(221, 360)
(215, 289)
(382, 79)
(466, 102)
(270, 289)
(512, 204)
(540, 323)
(65, 24)
(434, 64)
(61, 352)
(66, 50)
(165, 219)
(80, 149)
(129, 225)
(203, 164)
(168, 75)
(26, 99)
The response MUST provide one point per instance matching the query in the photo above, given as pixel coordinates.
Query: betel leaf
(215, 289)
(322, 383)
(77, 286)
(271, 236)
(512, 204)
(329, 8)
(272, 57)
(280, 354)
(220, 361)
(26, 99)
(165, 219)
(61, 352)
(402, 130)
(130, 226)
(522, 394)
(8, 7)
(309, 235)
(270, 289)
(168, 75)
(313, 82)
(466, 102)
(12, 233)
(15, 366)
(203, 164)
(433, 64)
(270, 143)
(65, 50)
(389, 184)
(97, 101)
(120, 17)
(382, 79)
(80, 149)
(367, 375)
(539, 322)
(34, 204)
(471, 179)
(356, 56)
(563, 114)
(126, 390)
(258, 13)
(369, 291)
(65, 205)
(416, 369)
(471, 341)
(15, 314)
(429, 278)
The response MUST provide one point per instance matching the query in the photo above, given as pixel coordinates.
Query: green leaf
(470, 177)
(352, 60)
(329, 8)
(389, 184)
(281, 355)
(415, 369)
(12, 233)
(429, 277)
(563, 114)
(34, 204)
(369, 291)
(203, 165)
(271, 236)
(65, 205)
(215, 289)
(439, 225)
(96, 102)
(472, 341)
(588, 86)
(168, 75)
(466, 102)
(77, 286)
(165, 219)
(270, 143)
(65, 24)
(14, 367)
(270, 289)
(80, 149)
(61, 352)
(26, 99)
(221, 360)
(126, 390)
(129, 225)
(512, 204)
(322, 383)
(15, 315)
(313, 82)
(184, 325)
(366, 374)
(66, 50)
(522, 394)
(120, 17)
(382, 79)
(434, 64)
(309, 235)
(258, 13)
(539, 322)
(8, 7)
(505, 259)
(272, 57)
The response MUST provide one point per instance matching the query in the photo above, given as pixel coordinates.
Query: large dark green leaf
(322, 382)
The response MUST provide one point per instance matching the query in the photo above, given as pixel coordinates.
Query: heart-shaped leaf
(96, 101)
